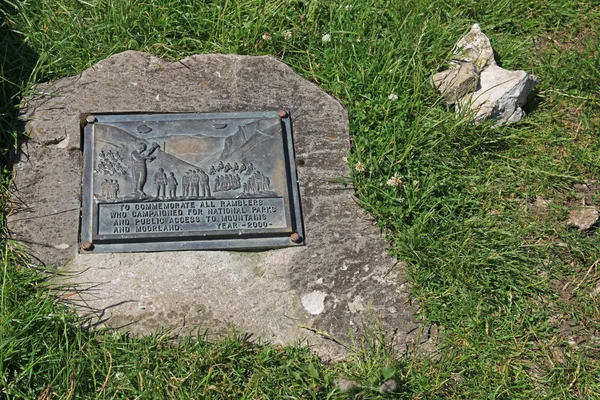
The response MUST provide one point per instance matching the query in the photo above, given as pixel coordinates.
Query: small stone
(500, 96)
(558, 354)
(456, 82)
(540, 203)
(388, 386)
(583, 218)
(346, 385)
(475, 48)
(314, 302)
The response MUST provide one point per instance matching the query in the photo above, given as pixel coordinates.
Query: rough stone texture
(475, 47)
(346, 385)
(583, 218)
(388, 386)
(456, 82)
(484, 91)
(501, 95)
(340, 280)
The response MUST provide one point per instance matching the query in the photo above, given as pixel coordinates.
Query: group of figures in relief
(110, 163)
(110, 189)
(195, 183)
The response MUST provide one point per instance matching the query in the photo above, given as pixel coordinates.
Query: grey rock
(388, 386)
(475, 47)
(346, 385)
(480, 88)
(282, 296)
(456, 82)
(501, 95)
(583, 218)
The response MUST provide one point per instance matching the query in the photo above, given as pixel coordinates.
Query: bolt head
(282, 113)
(91, 119)
(87, 246)
(294, 237)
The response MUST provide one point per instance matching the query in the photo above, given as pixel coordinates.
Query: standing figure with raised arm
(139, 170)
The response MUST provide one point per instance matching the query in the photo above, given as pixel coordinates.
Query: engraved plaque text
(155, 182)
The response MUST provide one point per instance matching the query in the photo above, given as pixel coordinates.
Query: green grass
(508, 284)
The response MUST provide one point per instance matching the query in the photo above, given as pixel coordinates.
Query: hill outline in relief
(248, 137)
(128, 142)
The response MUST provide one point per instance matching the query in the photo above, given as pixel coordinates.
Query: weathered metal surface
(156, 182)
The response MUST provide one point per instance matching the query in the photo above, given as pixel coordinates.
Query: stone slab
(341, 279)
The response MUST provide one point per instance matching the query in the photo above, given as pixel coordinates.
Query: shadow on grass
(17, 62)
(534, 101)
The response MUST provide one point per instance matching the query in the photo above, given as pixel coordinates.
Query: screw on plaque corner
(294, 237)
(87, 246)
(282, 114)
(91, 119)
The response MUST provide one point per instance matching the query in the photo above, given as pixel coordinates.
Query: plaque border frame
(229, 241)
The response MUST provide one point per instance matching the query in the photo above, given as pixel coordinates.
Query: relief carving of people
(204, 184)
(185, 183)
(160, 181)
(195, 183)
(105, 188)
(172, 185)
(139, 169)
(114, 189)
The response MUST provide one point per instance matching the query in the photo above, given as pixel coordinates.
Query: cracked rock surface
(343, 277)
(479, 87)
(475, 47)
(456, 82)
(501, 95)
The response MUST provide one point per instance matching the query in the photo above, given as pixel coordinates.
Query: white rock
(346, 385)
(314, 302)
(475, 48)
(501, 95)
(583, 218)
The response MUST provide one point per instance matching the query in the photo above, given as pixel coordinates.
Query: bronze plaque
(157, 182)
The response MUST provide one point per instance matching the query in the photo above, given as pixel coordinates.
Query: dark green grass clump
(478, 214)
